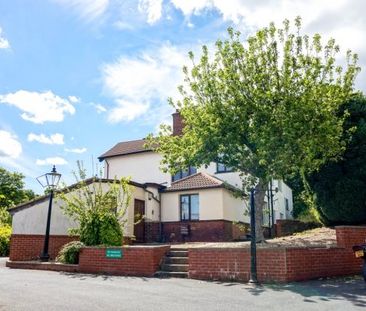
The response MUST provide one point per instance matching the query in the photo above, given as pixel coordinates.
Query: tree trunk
(260, 192)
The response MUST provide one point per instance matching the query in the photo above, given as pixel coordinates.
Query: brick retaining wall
(280, 264)
(136, 260)
(25, 247)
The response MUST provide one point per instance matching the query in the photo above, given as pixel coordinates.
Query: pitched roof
(88, 181)
(124, 148)
(196, 181)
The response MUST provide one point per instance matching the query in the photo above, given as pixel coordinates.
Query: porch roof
(197, 181)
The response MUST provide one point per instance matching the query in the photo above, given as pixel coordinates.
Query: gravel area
(320, 237)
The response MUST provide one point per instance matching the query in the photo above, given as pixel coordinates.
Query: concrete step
(174, 253)
(170, 274)
(174, 268)
(176, 260)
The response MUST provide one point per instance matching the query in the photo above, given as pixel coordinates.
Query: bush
(5, 232)
(70, 252)
(101, 229)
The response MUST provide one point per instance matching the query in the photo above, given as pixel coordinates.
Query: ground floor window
(189, 207)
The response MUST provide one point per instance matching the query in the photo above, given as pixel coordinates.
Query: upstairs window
(184, 173)
(189, 207)
(222, 168)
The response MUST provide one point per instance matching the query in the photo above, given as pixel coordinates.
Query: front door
(139, 227)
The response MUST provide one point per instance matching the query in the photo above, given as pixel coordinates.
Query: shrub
(70, 252)
(101, 229)
(5, 232)
(99, 207)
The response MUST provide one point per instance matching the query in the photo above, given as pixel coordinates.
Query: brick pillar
(348, 236)
(177, 124)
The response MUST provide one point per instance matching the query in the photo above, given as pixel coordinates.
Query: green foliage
(339, 188)
(98, 207)
(267, 108)
(70, 252)
(5, 232)
(101, 229)
(12, 192)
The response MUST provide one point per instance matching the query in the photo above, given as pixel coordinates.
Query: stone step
(184, 249)
(174, 267)
(170, 274)
(174, 253)
(176, 260)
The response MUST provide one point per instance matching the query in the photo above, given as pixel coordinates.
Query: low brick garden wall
(24, 247)
(280, 264)
(277, 264)
(135, 261)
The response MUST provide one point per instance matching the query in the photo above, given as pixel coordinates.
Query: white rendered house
(194, 205)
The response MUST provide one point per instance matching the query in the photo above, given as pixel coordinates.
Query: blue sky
(78, 76)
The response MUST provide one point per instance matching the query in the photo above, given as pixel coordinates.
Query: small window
(189, 207)
(287, 205)
(222, 168)
(184, 173)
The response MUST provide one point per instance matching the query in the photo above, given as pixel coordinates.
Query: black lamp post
(253, 246)
(50, 182)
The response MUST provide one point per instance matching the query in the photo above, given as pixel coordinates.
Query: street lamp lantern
(50, 182)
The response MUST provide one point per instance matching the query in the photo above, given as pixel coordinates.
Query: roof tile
(196, 181)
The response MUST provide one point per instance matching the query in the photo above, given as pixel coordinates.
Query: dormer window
(222, 168)
(184, 173)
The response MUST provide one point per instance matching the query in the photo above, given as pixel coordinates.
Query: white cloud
(51, 161)
(76, 150)
(342, 20)
(89, 10)
(53, 139)
(4, 43)
(74, 99)
(10, 147)
(152, 8)
(39, 107)
(99, 108)
(137, 82)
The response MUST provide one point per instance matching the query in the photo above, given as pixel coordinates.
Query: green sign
(113, 253)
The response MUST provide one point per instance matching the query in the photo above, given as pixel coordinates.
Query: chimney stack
(177, 124)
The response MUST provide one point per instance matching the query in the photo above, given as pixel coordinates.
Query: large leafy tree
(266, 107)
(12, 192)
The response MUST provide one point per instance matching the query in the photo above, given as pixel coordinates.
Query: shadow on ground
(352, 289)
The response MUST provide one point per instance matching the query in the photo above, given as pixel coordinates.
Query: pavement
(46, 290)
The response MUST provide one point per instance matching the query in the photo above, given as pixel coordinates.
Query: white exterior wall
(235, 209)
(214, 204)
(279, 205)
(145, 167)
(32, 220)
(232, 178)
(152, 204)
(141, 167)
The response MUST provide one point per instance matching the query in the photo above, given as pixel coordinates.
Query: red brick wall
(136, 260)
(280, 264)
(200, 231)
(234, 264)
(348, 236)
(29, 246)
